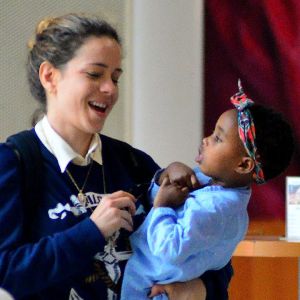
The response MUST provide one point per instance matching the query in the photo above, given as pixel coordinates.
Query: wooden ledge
(268, 246)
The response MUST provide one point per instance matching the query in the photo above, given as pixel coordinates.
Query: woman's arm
(26, 268)
(189, 290)
(217, 282)
(212, 285)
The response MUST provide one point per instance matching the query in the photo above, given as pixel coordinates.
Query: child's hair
(274, 140)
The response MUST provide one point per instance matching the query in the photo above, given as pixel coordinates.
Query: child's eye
(217, 139)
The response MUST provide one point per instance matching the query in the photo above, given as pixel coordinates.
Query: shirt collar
(62, 150)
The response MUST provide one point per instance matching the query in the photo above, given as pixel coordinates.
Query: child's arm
(180, 175)
(202, 223)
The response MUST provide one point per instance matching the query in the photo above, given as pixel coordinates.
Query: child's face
(221, 152)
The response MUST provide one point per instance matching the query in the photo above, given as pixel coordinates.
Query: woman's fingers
(120, 194)
(126, 221)
(192, 290)
(114, 211)
(121, 200)
(156, 290)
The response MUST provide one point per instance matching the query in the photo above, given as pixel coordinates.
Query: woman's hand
(114, 211)
(181, 175)
(189, 290)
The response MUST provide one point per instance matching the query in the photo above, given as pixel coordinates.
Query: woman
(77, 246)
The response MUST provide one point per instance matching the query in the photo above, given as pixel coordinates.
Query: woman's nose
(108, 86)
(205, 141)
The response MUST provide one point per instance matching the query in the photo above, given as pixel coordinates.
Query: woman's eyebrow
(106, 66)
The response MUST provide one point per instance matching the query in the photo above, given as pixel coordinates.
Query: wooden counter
(268, 246)
(266, 266)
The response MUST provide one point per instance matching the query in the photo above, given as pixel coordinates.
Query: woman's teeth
(98, 106)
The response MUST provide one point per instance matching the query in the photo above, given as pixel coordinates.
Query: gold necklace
(81, 196)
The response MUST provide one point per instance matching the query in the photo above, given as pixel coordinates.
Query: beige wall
(160, 104)
(17, 22)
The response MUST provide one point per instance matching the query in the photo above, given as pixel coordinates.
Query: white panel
(167, 78)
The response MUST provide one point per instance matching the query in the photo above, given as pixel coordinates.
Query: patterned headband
(247, 130)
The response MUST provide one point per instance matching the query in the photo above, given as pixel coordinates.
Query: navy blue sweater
(58, 259)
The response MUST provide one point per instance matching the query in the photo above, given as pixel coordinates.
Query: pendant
(82, 198)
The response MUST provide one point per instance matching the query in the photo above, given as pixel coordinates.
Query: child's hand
(181, 175)
(170, 195)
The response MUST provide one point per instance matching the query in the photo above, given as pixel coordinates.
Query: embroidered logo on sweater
(60, 211)
(106, 263)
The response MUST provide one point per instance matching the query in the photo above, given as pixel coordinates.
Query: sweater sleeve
(205, 222)
(27, 268)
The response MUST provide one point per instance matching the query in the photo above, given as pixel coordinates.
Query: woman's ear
(48, 76)
(246, 165)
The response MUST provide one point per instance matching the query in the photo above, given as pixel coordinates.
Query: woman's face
(86, 88)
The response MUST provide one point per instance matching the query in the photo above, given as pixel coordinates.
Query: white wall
(167, 78)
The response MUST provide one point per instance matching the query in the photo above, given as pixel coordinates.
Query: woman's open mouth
(99, 107)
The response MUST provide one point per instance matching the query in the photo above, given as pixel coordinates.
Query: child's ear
(48, 75)
(246, 165)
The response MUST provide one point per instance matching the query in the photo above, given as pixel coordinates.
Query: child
(249, 144)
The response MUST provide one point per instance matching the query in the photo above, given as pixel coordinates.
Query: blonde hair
(41, 26)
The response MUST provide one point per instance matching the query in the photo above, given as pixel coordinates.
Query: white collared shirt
(62, 150)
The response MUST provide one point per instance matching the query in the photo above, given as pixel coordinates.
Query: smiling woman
(73, 68)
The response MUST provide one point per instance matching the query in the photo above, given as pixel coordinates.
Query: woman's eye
(93, 75)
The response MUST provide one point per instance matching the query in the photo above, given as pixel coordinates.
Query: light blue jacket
(178, 245)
